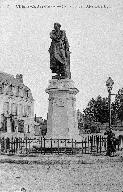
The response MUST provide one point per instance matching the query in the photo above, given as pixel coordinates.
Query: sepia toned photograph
(61, 96)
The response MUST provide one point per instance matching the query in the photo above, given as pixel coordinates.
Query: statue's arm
(66, 40)
(54, 36)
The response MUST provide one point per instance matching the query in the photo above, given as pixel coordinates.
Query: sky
(95, 36)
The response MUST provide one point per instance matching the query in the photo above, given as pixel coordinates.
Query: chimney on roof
(19, 77)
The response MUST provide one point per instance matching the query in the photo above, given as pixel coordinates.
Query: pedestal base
(62, 118)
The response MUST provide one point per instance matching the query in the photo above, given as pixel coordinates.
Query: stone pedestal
(62, 118)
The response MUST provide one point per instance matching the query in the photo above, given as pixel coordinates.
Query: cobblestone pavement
(80, 173)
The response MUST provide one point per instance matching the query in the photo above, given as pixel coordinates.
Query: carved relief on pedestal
(60, 102)
(61, 85)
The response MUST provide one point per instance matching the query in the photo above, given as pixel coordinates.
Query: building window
(14, 90)
(12, 124)
(29, 110)
(17, 91)
(14, 109)
(11, 89)
(3, 123)
(25, 110)
(28, 129)
(21, 92)
(20, 109)
(21, 126)
(6, 107)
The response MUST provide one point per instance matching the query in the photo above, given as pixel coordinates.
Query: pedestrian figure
(111, 147)
(121, 141)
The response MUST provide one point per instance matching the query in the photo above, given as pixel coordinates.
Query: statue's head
(57, 26)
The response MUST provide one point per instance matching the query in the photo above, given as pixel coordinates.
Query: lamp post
(110, 136)
(109, 84)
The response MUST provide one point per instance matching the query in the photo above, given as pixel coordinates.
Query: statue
(59, 53)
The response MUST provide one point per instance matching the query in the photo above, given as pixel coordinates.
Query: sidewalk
(60, 159)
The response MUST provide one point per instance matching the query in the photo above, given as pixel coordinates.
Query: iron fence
(91, 144)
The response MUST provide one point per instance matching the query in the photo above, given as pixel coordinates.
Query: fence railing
(91, 144)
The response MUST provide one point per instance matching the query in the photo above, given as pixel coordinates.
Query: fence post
(88, 144)
(26, 144)
(85, 144)
(29, 144)
(65, 146)
(19, 143)
(97, 142)
(105, 144)
(75, 146)
(44, 145)
(100, 144)
(4, 144)
(72, 146)
(1, 145)
(51, 145)
(94, 140)
(91, 141)
(41, 144)
(82, 146)
(14, 146)
(58, 146)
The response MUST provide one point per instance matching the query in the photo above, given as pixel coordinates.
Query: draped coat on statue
(59, 51)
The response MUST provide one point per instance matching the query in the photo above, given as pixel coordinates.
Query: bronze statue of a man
(59, 53)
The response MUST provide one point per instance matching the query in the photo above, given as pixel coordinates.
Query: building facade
(16, 106)
(40, 126)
